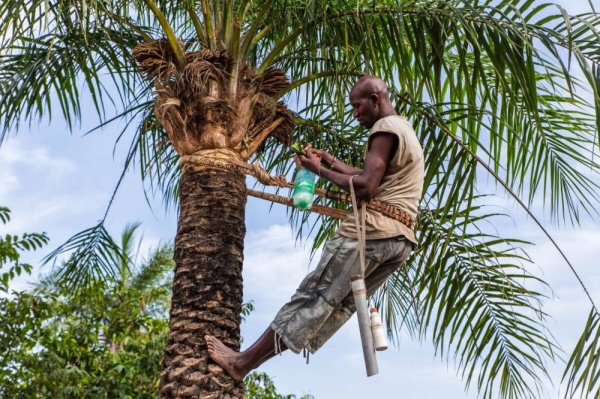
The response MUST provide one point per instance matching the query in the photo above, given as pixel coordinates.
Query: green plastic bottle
(304, 189)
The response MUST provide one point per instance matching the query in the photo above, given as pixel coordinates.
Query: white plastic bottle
(379, 336)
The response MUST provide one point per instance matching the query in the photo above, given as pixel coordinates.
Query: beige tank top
(401, 184)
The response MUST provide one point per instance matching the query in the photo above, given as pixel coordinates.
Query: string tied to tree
(230, 160)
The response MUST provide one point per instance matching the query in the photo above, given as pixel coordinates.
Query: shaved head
(370, 84)
(370, 100)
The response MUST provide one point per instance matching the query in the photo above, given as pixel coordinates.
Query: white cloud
(8, 182)
(23, 168)
(41, 189)
(274, 266)
(15, 154)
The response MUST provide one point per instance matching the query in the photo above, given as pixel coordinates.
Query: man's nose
(355, 113)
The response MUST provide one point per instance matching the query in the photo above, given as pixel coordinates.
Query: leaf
(582, 372)
(4, 214)
(94, 257)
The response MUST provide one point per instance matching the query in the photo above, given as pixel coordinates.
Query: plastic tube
(359, 291)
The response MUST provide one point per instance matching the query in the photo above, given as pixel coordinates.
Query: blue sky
(59, 182)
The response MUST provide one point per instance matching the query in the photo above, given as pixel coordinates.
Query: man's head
(370, 100)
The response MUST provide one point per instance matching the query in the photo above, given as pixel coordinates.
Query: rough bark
(207, 286)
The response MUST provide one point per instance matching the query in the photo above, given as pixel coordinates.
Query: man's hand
(324, 157)
(312, 160)
(382, 148)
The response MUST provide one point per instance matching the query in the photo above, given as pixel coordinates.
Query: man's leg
(386, 256)
(396, 251)
(239, 364)
(318, 294)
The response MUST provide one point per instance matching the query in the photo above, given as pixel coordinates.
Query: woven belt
(388, 210)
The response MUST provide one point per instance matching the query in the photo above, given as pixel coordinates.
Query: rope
(316, 208)
(216, 158)
(360, 227)
(386, 209)
(230, 160)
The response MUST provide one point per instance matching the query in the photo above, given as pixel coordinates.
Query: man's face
(364, 108)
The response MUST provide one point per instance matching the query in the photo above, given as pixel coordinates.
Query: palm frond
(481, 305)
(46, 60)
(153, 270)
(4, 214)
(582, 372)
(445, 55)
(95, 258)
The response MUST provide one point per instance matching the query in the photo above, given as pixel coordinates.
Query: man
(393, 173)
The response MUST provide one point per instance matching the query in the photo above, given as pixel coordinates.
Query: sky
(60, 182)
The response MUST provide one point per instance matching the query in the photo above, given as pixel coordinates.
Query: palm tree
(127, 298)
(488, 85)
(104, 340)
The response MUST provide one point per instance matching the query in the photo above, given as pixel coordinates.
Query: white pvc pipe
(364, 324)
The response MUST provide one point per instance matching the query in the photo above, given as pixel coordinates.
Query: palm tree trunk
(207, 286)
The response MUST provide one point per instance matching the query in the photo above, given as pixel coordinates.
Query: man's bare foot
(225, 357)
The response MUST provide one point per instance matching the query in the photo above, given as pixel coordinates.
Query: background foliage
(106, 341)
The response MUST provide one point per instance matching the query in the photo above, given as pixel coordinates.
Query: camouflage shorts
(324, 300)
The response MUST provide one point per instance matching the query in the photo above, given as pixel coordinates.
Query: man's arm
(335, 164)
(367, 180)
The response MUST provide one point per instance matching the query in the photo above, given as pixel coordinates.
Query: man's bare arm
(367, 180)
(335, 164)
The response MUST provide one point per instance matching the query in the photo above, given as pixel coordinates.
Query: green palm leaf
(482, 305)
(582, 373)
(95, 258)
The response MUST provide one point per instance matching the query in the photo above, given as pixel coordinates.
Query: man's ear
(375, 98)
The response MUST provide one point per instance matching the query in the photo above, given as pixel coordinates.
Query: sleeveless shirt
(401, 184)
